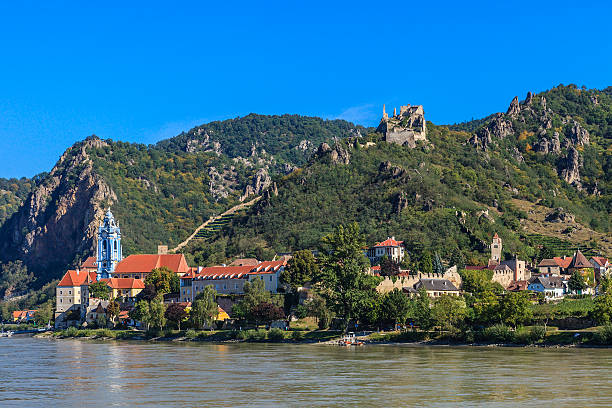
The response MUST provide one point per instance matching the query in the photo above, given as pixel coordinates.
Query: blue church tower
(109, 246)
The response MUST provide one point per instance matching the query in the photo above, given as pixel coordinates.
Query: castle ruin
(406, 128)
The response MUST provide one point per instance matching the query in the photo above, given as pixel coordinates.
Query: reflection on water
(37, 372)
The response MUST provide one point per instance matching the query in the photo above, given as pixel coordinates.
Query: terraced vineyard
(559, 246)
(217, 225)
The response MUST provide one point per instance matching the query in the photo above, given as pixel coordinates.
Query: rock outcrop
(338, 155)
(579, 135)
(60, 217)
(514, 109)
(261, 181)
(569, 169)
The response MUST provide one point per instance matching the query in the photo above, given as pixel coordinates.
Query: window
(70, 292)
(270, 278)
(60, 292)
(224, 286)
(137, 277)
(61, 300)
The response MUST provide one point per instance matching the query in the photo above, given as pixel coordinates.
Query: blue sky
(149, 70)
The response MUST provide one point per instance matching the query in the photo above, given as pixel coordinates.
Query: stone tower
(496, 250)
(109, 252)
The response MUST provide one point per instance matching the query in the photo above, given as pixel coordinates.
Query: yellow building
(124, 287)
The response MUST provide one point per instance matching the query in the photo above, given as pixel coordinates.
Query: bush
(499, 333)
(604, 334)
(242, 335)
(190, 334)
(522, 335)
(70, 332)
(537, 334)
(297, 335)
(106, 333)
(276, 335)
(258, 335)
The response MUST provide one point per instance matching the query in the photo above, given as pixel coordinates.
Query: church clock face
(104, 235)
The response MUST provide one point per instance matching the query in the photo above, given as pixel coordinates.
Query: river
(74, 373)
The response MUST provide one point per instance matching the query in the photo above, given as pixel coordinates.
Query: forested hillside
(453, 192)
(12, 193)
(447, 195)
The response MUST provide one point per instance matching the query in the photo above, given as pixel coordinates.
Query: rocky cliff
(58, 220)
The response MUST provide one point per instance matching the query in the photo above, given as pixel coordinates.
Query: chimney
(162, 249)
(200, 269)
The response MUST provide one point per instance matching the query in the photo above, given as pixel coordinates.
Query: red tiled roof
(375, 268)
(600, 260)
(22, 314)
(389, 242)
(563, 262)
(548, 262)
(124, 283)
(77, 278)
(496, 236)
(90, 263)
(268, 267)
(476, 268)
(145, 263)
(235, 272)
(580, 261)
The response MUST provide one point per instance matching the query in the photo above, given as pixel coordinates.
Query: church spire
(109, 252)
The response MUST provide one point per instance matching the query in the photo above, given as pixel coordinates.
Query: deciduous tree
(204, 309)
(300, 269)
(176, 313)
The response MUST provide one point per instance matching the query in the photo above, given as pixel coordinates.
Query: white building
(390, 248)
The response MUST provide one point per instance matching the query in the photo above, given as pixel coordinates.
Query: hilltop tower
(109, 252)
(496, 250)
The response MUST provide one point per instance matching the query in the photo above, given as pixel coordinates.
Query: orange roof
(124, 283)
(375, 268)
(124, 314)
(146, 263)
(268, 267)
(496, 236)
(90, 263)
(22, 314)
(223, 272)
(600, 260)
(563, 262)
(235, 272)
(389, 242)
(77, 278)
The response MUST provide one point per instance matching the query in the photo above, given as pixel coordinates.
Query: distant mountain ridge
(449, 193)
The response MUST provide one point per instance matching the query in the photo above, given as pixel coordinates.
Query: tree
(396, 307)
(448, 311)
(343, 271)
(425, 263)
(602, 312)
(317, 308)
(148, 293)
(157, 311)
(486, 308)
(477, 282)
(112, 310)
(546, 252)
(457, 259)
(437, 265)
(515, 308)
(44, 314)
(99, 290)
(164, 280)
(204, 309)
(141, 312)
(300, 269)
(266, 312)
(14, 279)
(388, 267)
(422, 310)
(176, 313)
(576, 282)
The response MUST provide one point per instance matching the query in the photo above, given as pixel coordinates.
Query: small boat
(6, 333)
(349, 340)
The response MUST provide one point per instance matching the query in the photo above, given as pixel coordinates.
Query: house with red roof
(390, 248)
(23, 316)
(124, 287)
(71, 293)
(230, 279)
(601, 265)
(139, 266)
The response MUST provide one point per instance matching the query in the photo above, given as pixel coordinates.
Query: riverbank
(523, 337)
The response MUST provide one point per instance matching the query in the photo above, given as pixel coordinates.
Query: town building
(601, 266)
(140, 265)
(553, 287)
(71, 295)
(389, 248)
(437, 287)
(230, 279)
(549, 266)
(127, 288)
(109, 252)
(496, 250)
(23, 316)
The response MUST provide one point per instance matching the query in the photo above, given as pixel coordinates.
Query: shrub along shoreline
(497, 335)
